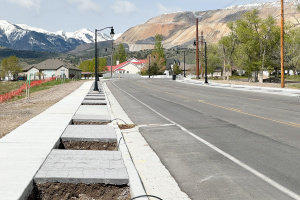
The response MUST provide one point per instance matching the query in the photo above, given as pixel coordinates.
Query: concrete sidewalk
(268, 90)
(23, 151)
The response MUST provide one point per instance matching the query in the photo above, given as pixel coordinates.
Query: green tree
(10, 66)
(292, 48)
(158, 47)
(85, 66)
(256, 40)
(176, 69)
(213, 58)
(102, 65)
(120, 54)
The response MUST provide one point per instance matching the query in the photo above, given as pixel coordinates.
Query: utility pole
(201, 69)
(197, 50)
(282, 44)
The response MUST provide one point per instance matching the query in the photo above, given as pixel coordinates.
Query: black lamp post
(112, 33)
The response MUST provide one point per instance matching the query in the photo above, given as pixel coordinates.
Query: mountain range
(179, 29)
(23, 37)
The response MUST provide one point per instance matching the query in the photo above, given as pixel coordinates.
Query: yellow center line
(226, 108)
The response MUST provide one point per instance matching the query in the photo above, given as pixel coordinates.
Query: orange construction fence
(12, 94)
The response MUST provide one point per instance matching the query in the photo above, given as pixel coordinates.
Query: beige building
(52, 68)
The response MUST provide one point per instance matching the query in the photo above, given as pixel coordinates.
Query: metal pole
(96, 63)
(282, 43)
(184, 64)
(205, 62)
(111, 59)
(201, 67)
(149, 67)
(197, 51)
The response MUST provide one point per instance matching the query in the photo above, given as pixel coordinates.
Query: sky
(72, 15)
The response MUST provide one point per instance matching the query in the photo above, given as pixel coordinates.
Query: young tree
(176, 69)
(120, 54)
(256, 40)
(102, 65)
(213, 58)
(292, 48)
(158, 47)
(10, 66)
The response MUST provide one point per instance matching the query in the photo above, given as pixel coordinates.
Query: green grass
(43, 86)
(48, 85)
(294, 86)
(292, 78)
(8, 86)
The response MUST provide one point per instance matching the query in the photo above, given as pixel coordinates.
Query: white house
(131, 66)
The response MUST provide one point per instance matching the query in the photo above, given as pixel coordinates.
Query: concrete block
(61, 168)
(98, 133)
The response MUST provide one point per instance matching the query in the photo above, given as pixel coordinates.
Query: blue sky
(72, 15)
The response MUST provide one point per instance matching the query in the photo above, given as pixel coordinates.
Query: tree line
(253, 46)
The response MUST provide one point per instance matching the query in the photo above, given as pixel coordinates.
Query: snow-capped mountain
(24, 37)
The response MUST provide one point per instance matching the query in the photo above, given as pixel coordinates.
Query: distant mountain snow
(24, 37)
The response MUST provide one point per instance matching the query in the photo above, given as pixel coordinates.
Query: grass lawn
(8, 86)
(12, 85)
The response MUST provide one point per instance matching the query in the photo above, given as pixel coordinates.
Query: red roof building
(131, 66)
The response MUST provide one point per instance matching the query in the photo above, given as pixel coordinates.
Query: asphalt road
(218, 143)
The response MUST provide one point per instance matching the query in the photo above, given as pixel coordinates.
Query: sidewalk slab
(24, 150)
(95, 133)
(80, 166)
(92, 113)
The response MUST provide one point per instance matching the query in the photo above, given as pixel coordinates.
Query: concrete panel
(79, 166)
(98, 133)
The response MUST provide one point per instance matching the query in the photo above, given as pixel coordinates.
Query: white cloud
(123, 7)
(29, 4)
(86, 5)
(163, 9)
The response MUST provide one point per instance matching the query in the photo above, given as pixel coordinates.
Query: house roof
(52, 64)
(119, 66)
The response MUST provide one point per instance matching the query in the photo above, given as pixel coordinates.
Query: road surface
(218, 143)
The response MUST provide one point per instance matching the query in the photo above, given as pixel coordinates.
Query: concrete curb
(136, 186)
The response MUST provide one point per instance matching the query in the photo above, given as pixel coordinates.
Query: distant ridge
(179, 29)
(24, 37)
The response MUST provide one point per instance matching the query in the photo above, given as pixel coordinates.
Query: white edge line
(233, 159)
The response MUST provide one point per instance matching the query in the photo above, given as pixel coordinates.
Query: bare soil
(126, 126)
(86, 145)
(89, 123)
(81, 191)
(15, 113)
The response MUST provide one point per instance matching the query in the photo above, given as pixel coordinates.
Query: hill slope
(180, 29)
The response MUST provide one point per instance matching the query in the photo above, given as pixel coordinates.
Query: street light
(205, 57)
(112, 33)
